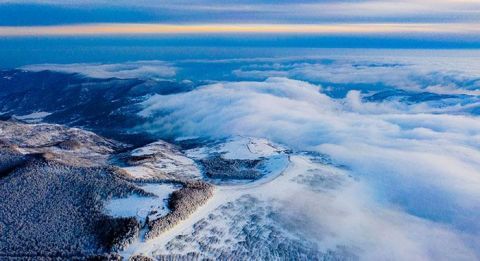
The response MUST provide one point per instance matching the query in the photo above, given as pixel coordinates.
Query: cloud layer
(440, 75)
(405, 130)
(416, 162)
(129, 70)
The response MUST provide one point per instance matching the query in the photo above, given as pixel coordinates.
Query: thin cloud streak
(214, 11)
(321, 29)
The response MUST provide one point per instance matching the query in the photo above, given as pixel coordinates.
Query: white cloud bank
(128, 70)
(421, 170)
(441, 75)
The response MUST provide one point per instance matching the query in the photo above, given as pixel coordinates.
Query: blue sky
(344, 23)
(41, 12)
(54, 12)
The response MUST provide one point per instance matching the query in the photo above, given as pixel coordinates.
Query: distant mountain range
(106, 106)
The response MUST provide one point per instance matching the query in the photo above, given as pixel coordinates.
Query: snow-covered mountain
(288, 158)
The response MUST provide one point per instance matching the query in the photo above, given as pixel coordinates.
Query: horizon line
(320, 29)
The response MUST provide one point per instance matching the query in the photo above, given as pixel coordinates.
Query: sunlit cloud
(134, 29)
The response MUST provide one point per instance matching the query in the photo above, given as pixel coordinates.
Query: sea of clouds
(441, 75)
(406, 129)
(416, 163)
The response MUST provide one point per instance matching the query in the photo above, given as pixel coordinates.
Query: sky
(385, 17)
(54, 31)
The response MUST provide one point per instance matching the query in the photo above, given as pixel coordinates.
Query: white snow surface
(242, 148)
(291, 196)
(222, 195)
(141, 206)
(167, 160)
(87, 149)
(249, 148)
